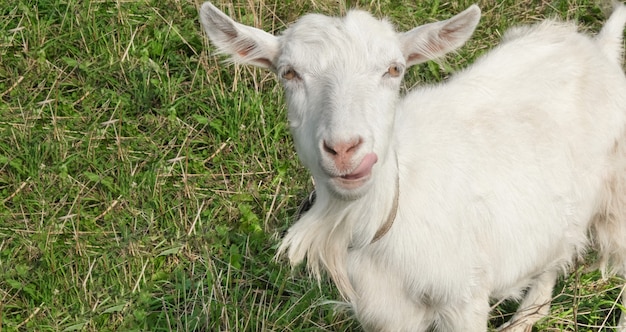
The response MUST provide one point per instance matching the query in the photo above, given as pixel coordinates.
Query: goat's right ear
(434, 40)
(243, 43)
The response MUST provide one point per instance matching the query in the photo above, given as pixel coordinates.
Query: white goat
(432, 204)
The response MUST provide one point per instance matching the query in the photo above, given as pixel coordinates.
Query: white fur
(507, 172)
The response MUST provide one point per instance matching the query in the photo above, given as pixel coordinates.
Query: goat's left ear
(434, 40)
(243, 43)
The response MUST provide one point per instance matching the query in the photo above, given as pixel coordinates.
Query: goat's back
(514, 153)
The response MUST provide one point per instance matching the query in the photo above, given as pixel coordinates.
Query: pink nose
(341, 153)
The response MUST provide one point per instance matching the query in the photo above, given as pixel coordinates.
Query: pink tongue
(364, 169)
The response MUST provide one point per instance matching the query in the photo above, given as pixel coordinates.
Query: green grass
(144, 184)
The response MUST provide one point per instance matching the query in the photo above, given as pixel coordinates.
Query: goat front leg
(535, 306)
(471, 316)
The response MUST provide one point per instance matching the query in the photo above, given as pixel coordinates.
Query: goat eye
(394, 71)
(289, 74)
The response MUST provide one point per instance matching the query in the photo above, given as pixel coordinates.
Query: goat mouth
(360, 174)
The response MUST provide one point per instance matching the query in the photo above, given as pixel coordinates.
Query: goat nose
(341, 152)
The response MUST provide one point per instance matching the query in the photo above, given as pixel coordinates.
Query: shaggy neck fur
(333, 227)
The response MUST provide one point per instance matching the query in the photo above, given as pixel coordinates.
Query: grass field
(144, 184)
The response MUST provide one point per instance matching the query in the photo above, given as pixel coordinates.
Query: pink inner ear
(246, 47)
(416, 57)
(265, 62)
(244, 50)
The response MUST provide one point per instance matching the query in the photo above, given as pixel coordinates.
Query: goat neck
(384, 228)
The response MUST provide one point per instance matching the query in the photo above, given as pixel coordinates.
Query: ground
(144, 183)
